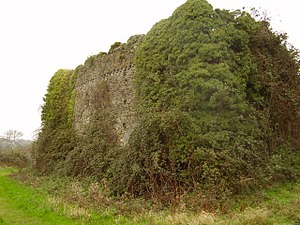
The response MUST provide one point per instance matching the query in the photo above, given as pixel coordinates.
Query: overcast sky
(38, 37)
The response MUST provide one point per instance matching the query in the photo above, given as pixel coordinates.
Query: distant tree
(13, 135)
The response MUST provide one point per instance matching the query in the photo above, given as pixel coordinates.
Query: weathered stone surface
(105, 86)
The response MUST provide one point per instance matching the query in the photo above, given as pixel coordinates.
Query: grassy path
(22, 205)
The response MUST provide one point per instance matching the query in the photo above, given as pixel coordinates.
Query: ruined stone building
(105, 85)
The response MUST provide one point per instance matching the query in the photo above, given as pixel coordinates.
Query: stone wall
(105, 86)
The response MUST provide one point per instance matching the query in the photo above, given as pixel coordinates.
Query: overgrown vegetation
(218, 113)
(15, 158)
(56, 138)
(16, 154)
(218, 98)
(75, 201)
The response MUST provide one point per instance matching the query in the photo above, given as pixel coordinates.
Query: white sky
(38, 37)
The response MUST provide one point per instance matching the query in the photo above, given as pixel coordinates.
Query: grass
(277, 206)
(23, 204)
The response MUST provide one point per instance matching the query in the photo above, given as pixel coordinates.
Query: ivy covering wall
(218, 111)
(56, 138)
(217, 95)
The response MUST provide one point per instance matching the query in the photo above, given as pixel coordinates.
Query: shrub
(15, 159)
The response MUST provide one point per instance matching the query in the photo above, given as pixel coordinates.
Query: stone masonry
(109, 76)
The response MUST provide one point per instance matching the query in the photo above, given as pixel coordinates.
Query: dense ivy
(56, 138)
(208, 119)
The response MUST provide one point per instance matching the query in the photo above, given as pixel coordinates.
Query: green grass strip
(20, 204)
(23, 205)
